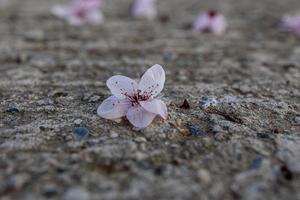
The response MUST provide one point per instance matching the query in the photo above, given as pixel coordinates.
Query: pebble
(50, 190)
(114, 134)
(13, 110)
(204, 176)
(94, 99)
(19, 180)
(140, 139)
(196, 131)
(35, 35)
(185, 132)
(76, 193)
(81, 133)
(209, 101)
(256, 163)
(185, 104)
(297, 119)
(178, 122)
(78, 121)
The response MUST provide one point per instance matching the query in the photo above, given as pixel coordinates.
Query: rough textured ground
(243, 145)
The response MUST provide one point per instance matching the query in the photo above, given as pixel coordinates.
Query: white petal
(113, 108)
(155, 106)
(152, 82)
(139, 117)
(218, 25)
(60, 11)
(145, 8)
(121, 85)
(95, 17)
(201, 23)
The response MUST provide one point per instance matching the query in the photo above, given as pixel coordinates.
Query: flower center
(80, 12)
(212, 13)
(137, 97)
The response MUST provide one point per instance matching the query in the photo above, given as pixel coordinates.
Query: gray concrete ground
(243, 145)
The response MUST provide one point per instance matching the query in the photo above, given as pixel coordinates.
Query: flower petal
(120, 86)
(60, 11)
(113, 108)
(156, 106)
(152, 82)
(218, 25)
(95, 17)
(139, 117)
(145, 9)
(201, 23)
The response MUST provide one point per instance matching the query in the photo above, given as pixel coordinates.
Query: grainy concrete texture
(240, 139)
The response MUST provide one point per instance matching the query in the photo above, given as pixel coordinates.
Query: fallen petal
(152, 82)
(156, 106)
(120, 86)
(139, 117)
(112, 108)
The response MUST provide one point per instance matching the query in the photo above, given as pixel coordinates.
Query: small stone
(50, 190)
(81, 133)
(140, 139)
(178, 122)
(195, 131)
(185, 104)
(263, 135)
(76, 193)
(94, 98)
(17, 181)
(159, 170)
(13, 110)
(208, 102)
(185, 132)
(256, 163)
(164, 18)
(204, 176)
(168, 57)
(42, 128)
(35, 35)
(44, 102)
(114, 134)
(78, 121)
(117, 120)
(297, 119)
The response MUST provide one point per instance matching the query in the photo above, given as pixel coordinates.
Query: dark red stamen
(137, 97)
(212, 13)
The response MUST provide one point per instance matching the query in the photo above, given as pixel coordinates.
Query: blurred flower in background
(144, 9)
(291, 24)
(79, 12)
(210, 22)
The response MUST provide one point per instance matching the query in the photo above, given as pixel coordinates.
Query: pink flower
(210, 22)
(144, 9)
(291, 24)
(135, 100)
(80, 11)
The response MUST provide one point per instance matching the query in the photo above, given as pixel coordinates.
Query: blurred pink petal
(144, 9)
(210, 22)
(113, 108)
(139, 117)
(80, 11)
(136, 101)
(60, 11)
(291, 24)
